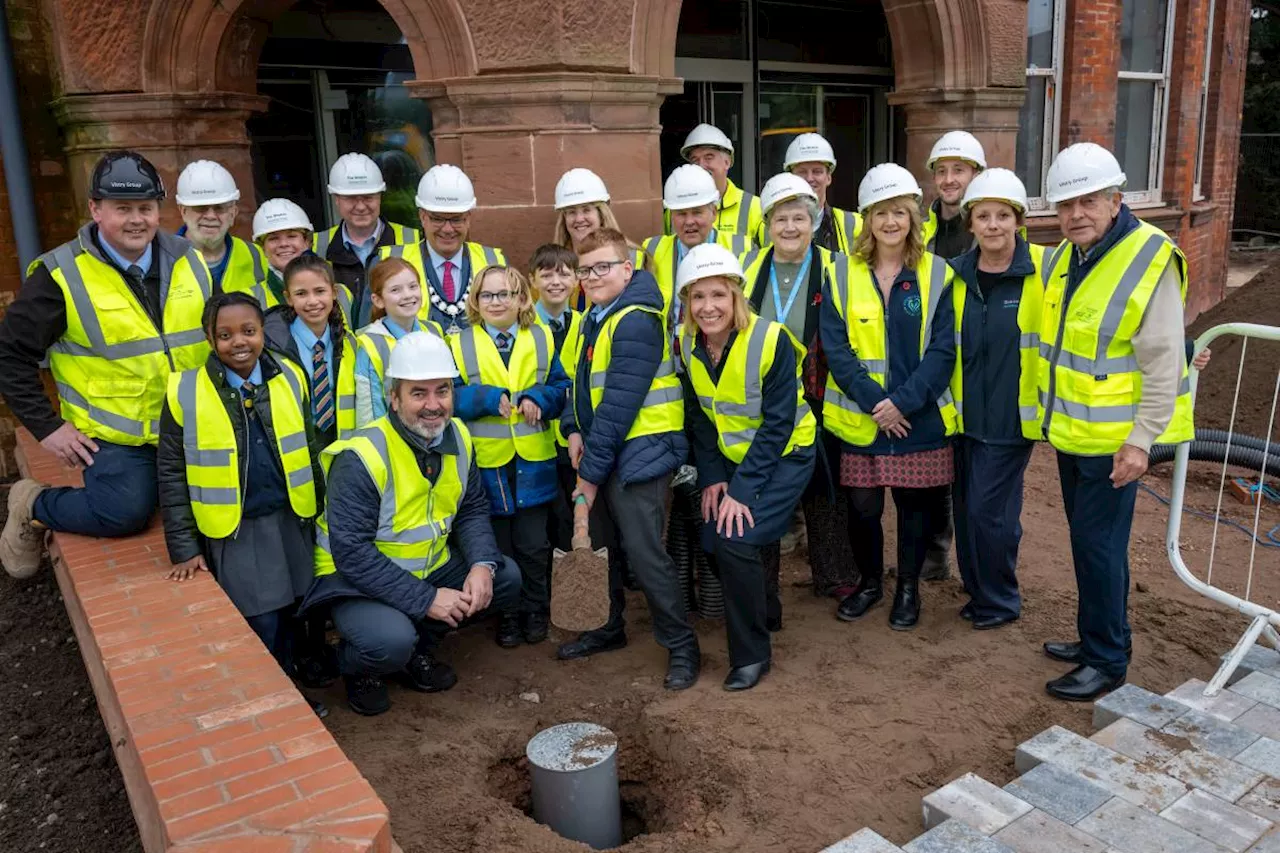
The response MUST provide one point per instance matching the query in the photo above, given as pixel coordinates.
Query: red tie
(447, 283)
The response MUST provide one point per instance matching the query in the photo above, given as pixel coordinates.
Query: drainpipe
(13, 146)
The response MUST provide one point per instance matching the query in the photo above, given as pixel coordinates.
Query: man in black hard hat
(116, 310)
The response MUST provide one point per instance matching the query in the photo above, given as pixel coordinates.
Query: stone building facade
(518, 91)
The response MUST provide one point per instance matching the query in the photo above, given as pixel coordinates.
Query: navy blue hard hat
(125, 175)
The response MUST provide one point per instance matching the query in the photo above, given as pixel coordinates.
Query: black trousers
(523, 538)
(988, 504)
(637, 515)
(742, 575)
(919, 512)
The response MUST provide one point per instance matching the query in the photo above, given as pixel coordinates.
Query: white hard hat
(886, 181)
(421, 355)
(996, 185)
(279, 214)
(446, 189)
(706, 134)
(355, 174)
(689, 186)
(809, 148)
(784, 187)
(1081, 169)
(580, 186)
(958, 145)
(206, 182)
(704, 261)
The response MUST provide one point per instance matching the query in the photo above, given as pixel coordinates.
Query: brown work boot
(21, 543)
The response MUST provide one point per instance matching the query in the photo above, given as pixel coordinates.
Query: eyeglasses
(455, 221)
(215, 209)
(600, 268)
(499, 296)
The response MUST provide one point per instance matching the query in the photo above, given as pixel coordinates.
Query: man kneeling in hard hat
(404, 550)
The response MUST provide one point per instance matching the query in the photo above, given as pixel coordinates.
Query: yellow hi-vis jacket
(399, 233)
(1029, 308)
(213, 460)
(834, 266)
(246, 272)
(665, 260)
(415, 516)
(663, 406)
(112, 365)
(859, 303)
(498, 439)
(476, 258)
(734, 403)
(1090, 382)
(568, 353)
(848, 225)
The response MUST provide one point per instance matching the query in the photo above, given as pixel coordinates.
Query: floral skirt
(923, 470)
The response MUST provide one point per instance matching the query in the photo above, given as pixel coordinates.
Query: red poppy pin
(906, 285)
(817, 298)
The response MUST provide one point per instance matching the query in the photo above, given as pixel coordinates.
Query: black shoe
(682, 670)
(590, 643)
(773, 624)
(987, 623)
(428, 675)
(1074, 652)
(966, 612)
(1083, 684)
(906, 607)
(318, 670)
(855, 606)
(318, 708)
(746, 677)
(509, 633)
(535, 628)
(367, 694)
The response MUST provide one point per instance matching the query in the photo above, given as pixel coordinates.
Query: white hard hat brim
(435, 207)
(380, 188)
(683, 292)
(684, 152)
(1014, 203)
(791, 164)
(187, 201)
(425, 375)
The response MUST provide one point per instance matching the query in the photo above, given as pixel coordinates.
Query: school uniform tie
(321, 388)
(446, 283)
(246, 391)
(504, 341)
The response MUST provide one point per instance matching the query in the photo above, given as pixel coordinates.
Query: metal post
(574, 773)
(17, 174)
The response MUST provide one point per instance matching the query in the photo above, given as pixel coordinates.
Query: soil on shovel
(580, 591)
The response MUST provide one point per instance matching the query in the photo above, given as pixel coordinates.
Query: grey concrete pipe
(574, 772)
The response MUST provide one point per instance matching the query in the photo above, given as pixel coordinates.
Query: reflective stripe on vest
(245, 273)
(1090, 383)
(568, 361)
(663, 407)
(745, 367)
(415, 517)
(848, 224)
(209, 447)
(322, 241)
(345, 389)
(498, 440)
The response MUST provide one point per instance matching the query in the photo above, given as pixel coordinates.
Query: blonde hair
(864, 246)
(521, 293)
(384, 271)
(607, 220)
(741, 310)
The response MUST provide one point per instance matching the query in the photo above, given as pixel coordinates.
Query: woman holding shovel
(753, 440)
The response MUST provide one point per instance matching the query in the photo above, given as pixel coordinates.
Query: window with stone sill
(1142, 105)
(1038, 120)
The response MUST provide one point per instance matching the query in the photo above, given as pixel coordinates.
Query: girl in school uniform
(510, 388)
(238, 473)
(396, 292)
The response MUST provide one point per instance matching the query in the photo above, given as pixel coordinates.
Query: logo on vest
(912, 305)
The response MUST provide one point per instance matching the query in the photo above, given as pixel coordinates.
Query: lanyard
(784, 311)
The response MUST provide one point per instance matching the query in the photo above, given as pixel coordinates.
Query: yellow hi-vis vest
(399, 234)
(213, 460)
(663, 407)
(415, 517)
(246, 272)
(665, 260)
(416, 254)
(848, 225)
(859, 304)
(1090, 382)
(499, 439)
(734, 403)
(344, 399)
(569, 361)
(1029, 411)
(112, 365)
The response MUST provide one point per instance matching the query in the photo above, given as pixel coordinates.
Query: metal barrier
(1264, 620)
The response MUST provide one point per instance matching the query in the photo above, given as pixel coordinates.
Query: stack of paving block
(1179, 773)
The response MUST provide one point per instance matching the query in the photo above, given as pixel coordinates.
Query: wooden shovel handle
(581, 524)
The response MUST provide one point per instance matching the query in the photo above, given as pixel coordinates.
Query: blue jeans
(1100, 517)
(118, 497)
(988, 517)
(378, 639)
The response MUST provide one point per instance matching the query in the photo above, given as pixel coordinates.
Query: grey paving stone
(1259, 687)
(1211, 733)
(1219, 776)
(1226, 705)
(1131, 738)
(1257, 659)
(974, 801)
(1262, 719)
(1269, 843)
(1140, 784)
(1062, 794)
(1216, 820)
(954, 837)
(1038, 832)
(1262, 755)
(1126, 827)
(1264, 800)
(1137, 704)
(863, 841)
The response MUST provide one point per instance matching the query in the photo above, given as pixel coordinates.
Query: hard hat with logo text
(809, 148)
(1081, 169)
(445, 189)
(996, 185)
(886, 181)
(125, 175)
(689, 186)
(580, 186)
(706, 135)
(958, 145)
(421, 356)
(784, 187)
(280, 214)
(206, 182)
(355, 174)
(704, 261)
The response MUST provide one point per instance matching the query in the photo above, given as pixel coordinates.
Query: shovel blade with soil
(580, 579)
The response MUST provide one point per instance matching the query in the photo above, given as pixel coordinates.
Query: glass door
(717, 92)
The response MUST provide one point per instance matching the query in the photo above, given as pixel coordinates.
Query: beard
(420, 428)
(203, 243)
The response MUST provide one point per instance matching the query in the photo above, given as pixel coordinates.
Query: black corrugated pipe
(13, 146)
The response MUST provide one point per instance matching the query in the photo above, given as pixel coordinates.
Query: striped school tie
(321, 388)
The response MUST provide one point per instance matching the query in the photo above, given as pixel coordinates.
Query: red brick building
(516, 92)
